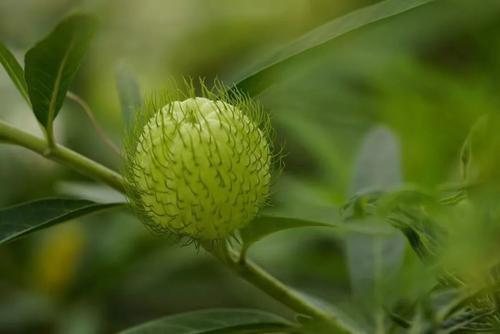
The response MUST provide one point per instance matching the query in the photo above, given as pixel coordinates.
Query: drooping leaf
(14, 70)
(53, 62)
(372, 259)
(22, 219)
(215, 321)
(260, 76)
(128, 92)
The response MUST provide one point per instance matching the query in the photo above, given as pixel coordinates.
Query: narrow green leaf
(22, 219)
(14, 70)
(265, 225)
(215, 321)
(53, 62)
(259, 77)
(128, 92)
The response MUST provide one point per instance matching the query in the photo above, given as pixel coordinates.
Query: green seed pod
(199, 167)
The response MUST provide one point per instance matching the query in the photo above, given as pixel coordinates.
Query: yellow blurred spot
(57, 258)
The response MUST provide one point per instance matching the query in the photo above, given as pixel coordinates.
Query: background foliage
(383, 108)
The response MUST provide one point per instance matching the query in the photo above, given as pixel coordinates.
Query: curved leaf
(265, 225)
(259, 76)
(52, 63)
(14, 70)
(22, 219)
(215, 321)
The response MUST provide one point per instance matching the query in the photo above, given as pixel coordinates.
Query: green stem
(90, 115)
(261, 279)
(62, 155)
(245, 269)
(49, 135)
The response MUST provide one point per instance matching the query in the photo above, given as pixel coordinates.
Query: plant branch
(61, 154)
(49, 136)
(88, 111)
(261, 279)
(245, 269)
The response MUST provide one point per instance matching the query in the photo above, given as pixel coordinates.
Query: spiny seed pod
(199, 167)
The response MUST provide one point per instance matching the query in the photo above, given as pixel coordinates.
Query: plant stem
(90, 115)
(49, 135)
(62, 155)
(261, 279)
(245, 269)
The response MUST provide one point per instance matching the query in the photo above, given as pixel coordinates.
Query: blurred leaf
(14, 70)
(259, 77)
(405, 209)
(476, 311)
(465, 159)
(52, 63)
(25, 218)
(215, 321)
(371, 259)
(128, 92)
(382, 203)
(418, 324)
(347, 317)
(480, 153)
(452, 310)
(423, 234)
(378, 164)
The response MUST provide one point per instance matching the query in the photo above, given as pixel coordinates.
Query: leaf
(22, 219)
(348, 316)
(265, 225)
(382, 203)
(14, 70)
(372, 259)
(90, 190)
(422, 233)
(480, 153)
(259, 77)
(378, 164)
(128, 92)
(215, 321)
(52, 63)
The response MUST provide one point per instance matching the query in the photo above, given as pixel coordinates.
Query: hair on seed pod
(198, 161)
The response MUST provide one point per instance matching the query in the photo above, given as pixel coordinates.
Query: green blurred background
(423, 77)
